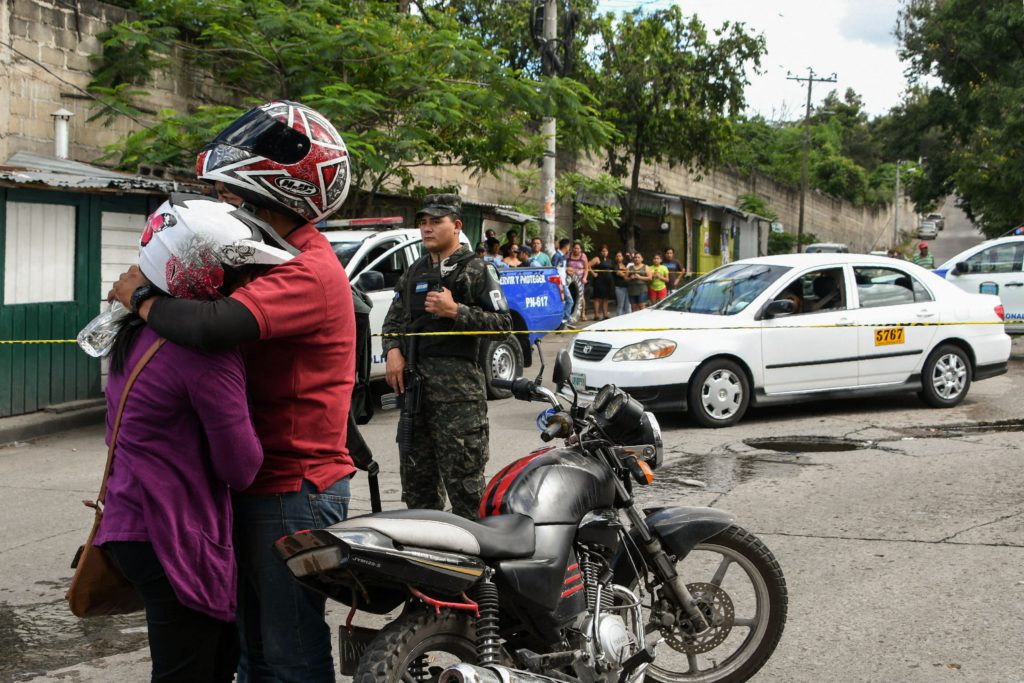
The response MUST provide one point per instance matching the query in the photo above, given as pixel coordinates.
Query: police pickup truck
(375, 258)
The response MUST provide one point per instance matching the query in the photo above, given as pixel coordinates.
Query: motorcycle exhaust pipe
(468, 673)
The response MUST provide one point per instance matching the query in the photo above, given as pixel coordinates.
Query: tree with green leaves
(847, 157)
(968, 128)
(672, 89)
(403, 89)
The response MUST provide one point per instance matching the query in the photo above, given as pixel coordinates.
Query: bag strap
(154, 347)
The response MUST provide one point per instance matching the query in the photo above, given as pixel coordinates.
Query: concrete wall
(831, 219)
(47, 68)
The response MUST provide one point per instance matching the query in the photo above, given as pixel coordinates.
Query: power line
(810, 79)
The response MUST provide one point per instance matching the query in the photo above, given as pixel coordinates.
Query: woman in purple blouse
(186, 440)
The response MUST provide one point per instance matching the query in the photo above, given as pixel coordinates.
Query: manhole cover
(806, 444)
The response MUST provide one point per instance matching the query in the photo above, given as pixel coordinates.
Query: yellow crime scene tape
(461, 333)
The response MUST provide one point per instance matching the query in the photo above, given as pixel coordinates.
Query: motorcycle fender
(679, 530)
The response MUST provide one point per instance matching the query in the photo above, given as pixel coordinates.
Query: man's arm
(209, 325)
(488, 309)
(394, 323)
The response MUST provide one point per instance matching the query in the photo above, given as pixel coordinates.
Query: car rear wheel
(719, 394)
(946, 377)
(501, 360)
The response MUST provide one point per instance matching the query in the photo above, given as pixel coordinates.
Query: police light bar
(362, 222)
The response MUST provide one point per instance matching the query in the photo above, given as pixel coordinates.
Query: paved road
(904, 559)
(959, 234)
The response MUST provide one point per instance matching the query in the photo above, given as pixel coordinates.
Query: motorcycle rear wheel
(417, 647)
(748, 606)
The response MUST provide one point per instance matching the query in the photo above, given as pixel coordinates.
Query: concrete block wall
(829, 218)
(47, 67)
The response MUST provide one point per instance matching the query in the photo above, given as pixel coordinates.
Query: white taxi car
(992, 267)
(781, 329)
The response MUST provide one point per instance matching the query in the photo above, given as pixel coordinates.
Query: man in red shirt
(296, 326)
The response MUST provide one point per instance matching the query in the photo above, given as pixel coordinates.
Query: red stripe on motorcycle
(574, 589)
(573, 578)
(487, 498)
(507, 480)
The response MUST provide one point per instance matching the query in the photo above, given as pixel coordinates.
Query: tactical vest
(425, 277)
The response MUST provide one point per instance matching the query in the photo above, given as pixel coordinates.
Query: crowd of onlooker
(606, 283)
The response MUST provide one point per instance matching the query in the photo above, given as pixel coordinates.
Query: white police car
(992, 267)
(781, 329)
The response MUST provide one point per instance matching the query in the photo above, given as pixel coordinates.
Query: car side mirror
(961, 268)
(563, 368)
(370, 281)
(779, 307)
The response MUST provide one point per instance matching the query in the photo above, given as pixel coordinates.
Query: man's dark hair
(564, 242)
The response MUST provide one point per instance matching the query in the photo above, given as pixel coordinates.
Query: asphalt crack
(875, 539)
(984, 524)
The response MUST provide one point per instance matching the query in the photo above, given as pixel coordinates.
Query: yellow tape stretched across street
(694, 329)
(571, 330)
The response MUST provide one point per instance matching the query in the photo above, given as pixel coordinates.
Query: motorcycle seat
(499, 537)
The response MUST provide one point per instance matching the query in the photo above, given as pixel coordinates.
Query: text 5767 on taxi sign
(888, 335)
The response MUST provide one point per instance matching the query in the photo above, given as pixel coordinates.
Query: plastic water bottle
(97, 338)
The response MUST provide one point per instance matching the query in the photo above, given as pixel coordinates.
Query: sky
(852, 38)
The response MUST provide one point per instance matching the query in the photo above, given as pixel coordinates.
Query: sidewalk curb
(44, 423)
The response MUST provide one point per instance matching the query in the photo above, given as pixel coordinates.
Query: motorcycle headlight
(654, 430)
(648, 349)
(603, 396)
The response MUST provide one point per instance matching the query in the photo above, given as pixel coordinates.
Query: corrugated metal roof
(26, 168)
(503, 211)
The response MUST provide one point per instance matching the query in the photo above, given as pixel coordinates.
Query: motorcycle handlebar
(524, 389)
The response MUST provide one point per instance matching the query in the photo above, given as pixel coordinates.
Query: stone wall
(45, 66)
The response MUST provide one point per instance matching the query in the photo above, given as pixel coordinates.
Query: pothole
(807, 444)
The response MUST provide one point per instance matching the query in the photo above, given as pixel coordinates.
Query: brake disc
(717, 608)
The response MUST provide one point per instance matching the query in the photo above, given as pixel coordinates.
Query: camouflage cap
(441, 205)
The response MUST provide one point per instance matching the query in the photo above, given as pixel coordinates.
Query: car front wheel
(946, 377)
(719, 394)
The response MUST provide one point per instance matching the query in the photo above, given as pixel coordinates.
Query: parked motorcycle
(550, 584)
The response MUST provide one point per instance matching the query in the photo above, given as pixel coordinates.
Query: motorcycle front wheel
(739, 587)
(418, 646)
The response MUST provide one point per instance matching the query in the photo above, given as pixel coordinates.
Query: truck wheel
(501, 360)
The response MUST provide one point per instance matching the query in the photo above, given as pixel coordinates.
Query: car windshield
(724, 291)
(345, 251)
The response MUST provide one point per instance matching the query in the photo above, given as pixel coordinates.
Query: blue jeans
(621, 301)
(569, 304)
(281, 623)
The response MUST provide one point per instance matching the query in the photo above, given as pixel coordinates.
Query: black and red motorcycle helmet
(283, 156)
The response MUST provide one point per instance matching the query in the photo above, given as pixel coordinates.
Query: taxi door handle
(925, 314)
(844, 321)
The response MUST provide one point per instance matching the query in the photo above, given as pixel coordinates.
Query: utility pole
(896, 210)
(550, 66)
(810, 79)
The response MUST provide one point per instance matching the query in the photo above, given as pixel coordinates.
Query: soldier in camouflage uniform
(449, 289)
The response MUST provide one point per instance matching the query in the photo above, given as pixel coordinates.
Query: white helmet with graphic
(283, 156)
(190, 239)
